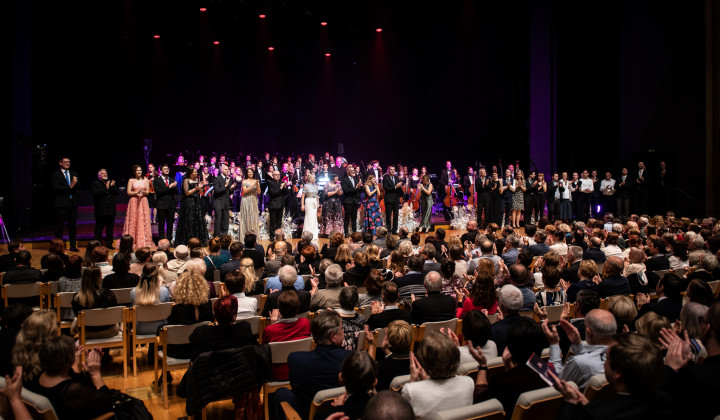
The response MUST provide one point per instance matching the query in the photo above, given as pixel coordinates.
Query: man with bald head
(272, 266)
(588, 359)
(435, 306)
(615, 283)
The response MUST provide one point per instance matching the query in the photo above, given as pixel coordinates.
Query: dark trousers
(539, 206)
(222, 220)
(275, 219)
(507, 207)
(350, 217)
(623, 206)
(391, 216)
(553, 210)
(105, 222)
(483, 207)
(529, 203)
(495, 210)
(642, 197)
(69, 215)
(584, 206)
(165, 219)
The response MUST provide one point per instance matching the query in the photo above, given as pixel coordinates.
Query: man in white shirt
(565, 197)
(607, 187)
(586, 191)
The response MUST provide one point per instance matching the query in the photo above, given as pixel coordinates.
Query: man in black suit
(277, 190)
(375, 170)
(510, 301)
(104, 193)
(223, 187)
(351, 188)
(482, 187)
(594, 252)
(388, 311)
(23, 272)
(657, 260)
(574, 257)
(165, 190)
(7, 261)
(413, 281)
(447, 177)
(472, 231)
(669, 302)
(288, 283)
(436, 306)
(250, 252)
(642, 189)
(615, 283)
(236, 254)
(393, 191)
(540, 248)
(429, 252)
(506, 194)
(65, 187)
(623, 193)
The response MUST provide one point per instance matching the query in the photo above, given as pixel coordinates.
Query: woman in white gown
(310, 203)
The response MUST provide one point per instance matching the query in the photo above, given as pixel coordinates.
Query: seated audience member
(358, 271)
(164, 247)
(650, 325)
(587, 300)
(396, 349)
(450, 281)
(249, 251)
(37, 328)
(624, 311)
(457, 256)
(273, 265)
(669, 300)
(614, 283)
(312, 371)
(93, 296)
(308, 260)
(588, 359)
(72, 395)
(233, 264)
(55, 268)
(328, 297)
(125, 246)
(511, 251)
(634, 368)
(509, 304)
(388, 405)
(519, 279)
(167, 277)
(285, 326)
(23, 272)
(7, 261)
(100, 255)
(640, 280)
(149, 292)
(253, 285)
(57, 247)
(236, 283)
(143, 256)
(177, 264)
(701, 292)
(476, 329)
(330, 249)
(574, 257)
(657, 259)
(434, 384)
(373, 286)
(121, 277)
(586, 280)
(353, 322)
(413, 282)
(706, 265)
(559, 246)
(13, 317)
(373, 253)
(226, 333)
(196, 266)
(70, 280)
(359, 377)
(274, 283)
(436, 306)
(594, 253)
(611, 246)
(540, 248)
(192, 305)
(552, 294)
(551, 259)
(524, 339)
(679, 255)
(387, 311)
(693, 318)
(429, 252)
(288, 276)
(483, 294)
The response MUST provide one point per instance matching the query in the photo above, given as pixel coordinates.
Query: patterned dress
(190, 223)
(332, 211)
(373, 216)
(518, 201)
(137, 219)
(249, 217)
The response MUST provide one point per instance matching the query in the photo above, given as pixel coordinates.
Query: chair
(360, 341)
(542, 403)
(493, 318)
(601, 269)
(51, 289)
(528, 314)
(378, 337)
(305, 278)
(486, 410)
(146, 313)
(172, 335)
(604, 303)
(365, 311)
(123, 296)
(553, 312)
(466, 369)
(219, 288)
(102, 317)
(680, 272)
(63, 300)
(256, 324)
(714, 286)
(661, 273)
(259, 272)
(495, 366)
(599, 388)
(323, 399)
(24, 290)
(280, 352)
(426, 328)
(260, 301)
(399, 382)
(216, 277)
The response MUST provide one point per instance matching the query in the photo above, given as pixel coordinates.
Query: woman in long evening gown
(310, 202)
(249, 217)
(426, 202)
(137, 218)
(191, 223)
(332, 214)
(373, 216)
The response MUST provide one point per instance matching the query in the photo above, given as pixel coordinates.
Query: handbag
(126, 407)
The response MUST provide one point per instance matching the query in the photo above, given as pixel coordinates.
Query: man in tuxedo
(65, 187)
(447, 177)
(104, 193)
(482, 187)
(623, 191)
(392, 186)
(642, 189)
(436, 306)
(223, 186)
(469, 180)
(277, 190)
(506, 195)
(165, 189)
(375, 169)
(351, 188)
(310, 164)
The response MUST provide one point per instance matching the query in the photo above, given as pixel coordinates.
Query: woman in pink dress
(137, 218)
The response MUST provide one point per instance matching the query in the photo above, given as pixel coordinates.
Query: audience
(353, 322)
(483, 294)
(328, 297)
(285, 326)
(435, 306)
(13, 317)
(7, 261)
(274, 283)
(413, 282)
(236, 284)
(93, 296)
(395, 347)
(614, 282)
(23, 272)
(149, 292)
(288, 277)
(669, 300)
(387, 311)
(192, 305)
(510, 301)
(121, 277)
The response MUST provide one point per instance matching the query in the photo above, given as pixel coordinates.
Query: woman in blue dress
(373, 216)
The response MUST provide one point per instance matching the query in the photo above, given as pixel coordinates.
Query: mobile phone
(541, 368)
(608, 227)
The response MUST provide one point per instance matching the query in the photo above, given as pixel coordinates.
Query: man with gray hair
(510, 254)
(272, 266)
(588, 359)
(435, 306)
(574, 257)
(330, 296)
(104, 192)
(510, 301)
(286, 274)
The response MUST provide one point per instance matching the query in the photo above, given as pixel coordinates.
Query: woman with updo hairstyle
(149, 292)
(214, 259)
(226, 333)
(70, 280)
(37, 328)
(373, 255)
(57, 247)
(309, 259)
(167, 277)
(373, 288)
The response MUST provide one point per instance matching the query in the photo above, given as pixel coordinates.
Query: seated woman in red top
(482, 295)
(286, 326)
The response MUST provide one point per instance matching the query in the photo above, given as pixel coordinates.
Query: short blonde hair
(623, 308)
(588, 269)
(343, 254)
(650, 325)
(400, 336)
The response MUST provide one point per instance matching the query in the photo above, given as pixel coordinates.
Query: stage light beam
(271, 48)
(216, 42)
(323, 23)
(327, 54)
(156, 36)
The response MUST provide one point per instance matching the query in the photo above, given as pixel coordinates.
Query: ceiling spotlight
(327, 54)
(378, 30)
(323, 23)
(156, 36)
(203, 9)
(216, 42)
(262, 16)
(271, 48)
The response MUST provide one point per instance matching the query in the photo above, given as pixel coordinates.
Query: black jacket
(164, 195)
(384, 318)
(351, 195)
(276, 194)
(392, 194)
(272, 300)
(104, 198)
(435, 307)
(669, 308)
(64, 195)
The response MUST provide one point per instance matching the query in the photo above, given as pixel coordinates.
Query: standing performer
(104, 191)
(531, 191)
(393, 192)
(310, 202)
(190, 221)
(518, 201)
(65, 185)
(623, 193)
(276, 191)
(223, 187)
(539, 197)
(165, 202)
(483, 198)
(150, 175)
(426, 203)
(332, 207)
(373, 217)
(137, 218)
(506, 194)
(249, 220)
(446, 178)
(496, 211)
(351, 187)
